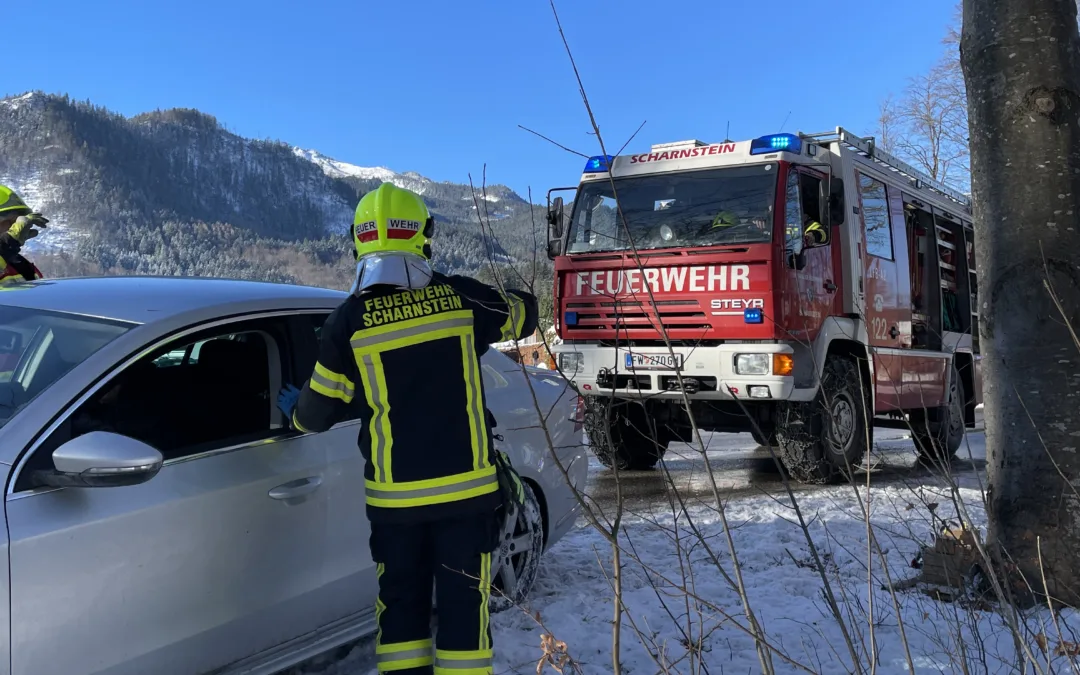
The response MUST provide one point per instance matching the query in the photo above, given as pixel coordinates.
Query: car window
(184, 407)
(37, 348)
(185, 355)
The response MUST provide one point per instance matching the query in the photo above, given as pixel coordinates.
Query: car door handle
(830, 287)
(296, 488)
(893, 332)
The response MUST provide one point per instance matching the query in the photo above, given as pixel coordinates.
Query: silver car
(161, 518)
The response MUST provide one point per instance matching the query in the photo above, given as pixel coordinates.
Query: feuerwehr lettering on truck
(696, 278)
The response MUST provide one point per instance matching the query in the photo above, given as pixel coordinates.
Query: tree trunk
(1021, 61)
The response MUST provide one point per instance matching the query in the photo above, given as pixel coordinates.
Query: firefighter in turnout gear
(18, 224)
(814, 233)
(404, 348)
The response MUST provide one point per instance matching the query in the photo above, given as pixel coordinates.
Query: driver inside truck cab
(814, 233)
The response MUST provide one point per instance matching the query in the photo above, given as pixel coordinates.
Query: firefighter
(18, 224)
(814, 233)
(406, 346)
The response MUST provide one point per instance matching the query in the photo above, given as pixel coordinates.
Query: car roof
(143, 299)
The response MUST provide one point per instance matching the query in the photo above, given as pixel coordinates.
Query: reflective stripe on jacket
(20, 269)
(407, 363)
(14, 267)
(817, 232)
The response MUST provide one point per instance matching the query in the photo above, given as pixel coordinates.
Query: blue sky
(439, 87)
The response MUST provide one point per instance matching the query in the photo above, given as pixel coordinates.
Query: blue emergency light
(599, 164)
(753, 316)
(776, 143)
(570, 318)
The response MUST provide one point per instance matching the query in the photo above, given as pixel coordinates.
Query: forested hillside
(173, 192)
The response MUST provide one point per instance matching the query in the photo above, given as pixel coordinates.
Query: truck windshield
(694, 208)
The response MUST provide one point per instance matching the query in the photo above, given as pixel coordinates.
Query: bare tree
(1021, 61)
(927, 124)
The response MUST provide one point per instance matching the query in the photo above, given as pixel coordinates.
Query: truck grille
(680, 318)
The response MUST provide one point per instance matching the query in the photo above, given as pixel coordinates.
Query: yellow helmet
(10, 203)
(390, 233)
(392, 219)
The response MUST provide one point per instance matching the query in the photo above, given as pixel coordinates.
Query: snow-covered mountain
(174, 191)
(409, 180)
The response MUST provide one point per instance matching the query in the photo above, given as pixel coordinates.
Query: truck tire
(825, 439)
(623, 441)
(939, 432)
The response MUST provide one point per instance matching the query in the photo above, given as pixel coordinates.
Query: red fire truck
(810, 286)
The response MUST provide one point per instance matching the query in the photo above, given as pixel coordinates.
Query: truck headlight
(571, 362)
(752, 364)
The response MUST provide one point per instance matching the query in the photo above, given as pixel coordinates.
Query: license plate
(654, 362)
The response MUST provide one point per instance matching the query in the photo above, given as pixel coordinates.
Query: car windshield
(694, 208)
(37, 348)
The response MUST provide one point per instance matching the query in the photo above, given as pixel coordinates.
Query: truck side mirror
(555, 218)
(836, 202)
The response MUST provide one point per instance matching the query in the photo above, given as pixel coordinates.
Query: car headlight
(571, 362)
(752, 364)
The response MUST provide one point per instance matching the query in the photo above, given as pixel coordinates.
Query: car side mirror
(836, 202)
(101, 459)
(10, 342)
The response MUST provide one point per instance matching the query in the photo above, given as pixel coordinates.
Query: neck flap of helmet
(391, 268)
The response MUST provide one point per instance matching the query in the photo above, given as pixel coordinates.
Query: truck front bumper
(708, 373)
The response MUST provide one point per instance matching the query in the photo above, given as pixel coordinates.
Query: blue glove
(286, 400)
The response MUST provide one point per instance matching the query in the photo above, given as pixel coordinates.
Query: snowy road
(741, 468)
(573, 599)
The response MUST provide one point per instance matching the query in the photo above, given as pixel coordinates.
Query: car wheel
(517, 560)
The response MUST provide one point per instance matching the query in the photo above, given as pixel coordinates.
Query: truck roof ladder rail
(868, 148)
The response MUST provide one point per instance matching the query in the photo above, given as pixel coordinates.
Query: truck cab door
(888, 294)
(809, 285)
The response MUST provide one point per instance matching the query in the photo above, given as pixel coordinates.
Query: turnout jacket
(14, 267)
(409, 361)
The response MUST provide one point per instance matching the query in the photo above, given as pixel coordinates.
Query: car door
(218, 557)
(349, 569)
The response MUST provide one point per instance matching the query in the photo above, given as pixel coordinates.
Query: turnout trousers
(454, 554)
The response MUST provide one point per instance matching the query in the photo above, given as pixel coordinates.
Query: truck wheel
(939, 432)
(823, 440)
(624, 442)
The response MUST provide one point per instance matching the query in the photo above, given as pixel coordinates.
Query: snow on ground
(663, 558)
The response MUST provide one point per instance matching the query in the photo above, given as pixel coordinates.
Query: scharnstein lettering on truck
(704, 278)
(685, 153)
